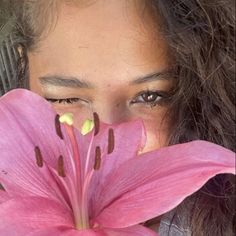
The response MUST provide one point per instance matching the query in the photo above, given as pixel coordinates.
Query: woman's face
(108, 58)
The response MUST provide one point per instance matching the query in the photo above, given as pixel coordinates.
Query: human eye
(65, 101)
(151, 98)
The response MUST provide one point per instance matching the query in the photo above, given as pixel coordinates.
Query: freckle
(118, 105)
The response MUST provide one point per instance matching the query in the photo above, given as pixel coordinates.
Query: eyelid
(163, 96)
(66, 101)
(159, 92)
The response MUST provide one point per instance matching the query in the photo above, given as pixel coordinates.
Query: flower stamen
(111, 141)
(96, 123)
(97, 163)
(39, 157)
(87, 127)
(58, 126)
(60, 167)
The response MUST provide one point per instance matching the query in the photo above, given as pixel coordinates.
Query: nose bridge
(111, 112)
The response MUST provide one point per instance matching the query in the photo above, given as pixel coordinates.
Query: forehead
(109, 39)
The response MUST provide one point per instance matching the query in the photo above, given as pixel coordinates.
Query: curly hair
(200, 34)
(201, 38)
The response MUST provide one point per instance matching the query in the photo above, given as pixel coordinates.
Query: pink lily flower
(59, 182)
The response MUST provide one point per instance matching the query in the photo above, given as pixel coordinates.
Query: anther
(60, 167)
(39, 157)
(96, 123)
(97, 163)
(87, 127)
(58, 126)
(111, 141)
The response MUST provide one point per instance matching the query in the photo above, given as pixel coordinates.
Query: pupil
(149, 97)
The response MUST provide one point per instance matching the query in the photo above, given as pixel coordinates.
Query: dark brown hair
(200, 34)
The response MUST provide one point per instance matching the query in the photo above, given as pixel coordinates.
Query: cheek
(157, 131)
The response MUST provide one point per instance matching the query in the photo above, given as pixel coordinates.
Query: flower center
(77, 184)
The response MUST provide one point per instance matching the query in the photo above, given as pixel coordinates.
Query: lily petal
(24, 215)
(64, 231)
(41, 182)
(129, 139)
(156, 174)
(4, 196)
(114, 189)
(20, 126)
(24, 122)
(23, 130)
(137, 230)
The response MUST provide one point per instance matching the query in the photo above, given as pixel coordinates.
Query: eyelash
(64, 101)
(159, 96)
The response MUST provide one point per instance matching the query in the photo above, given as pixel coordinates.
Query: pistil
(81, 219)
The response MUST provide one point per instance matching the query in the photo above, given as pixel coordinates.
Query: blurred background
(11, 63)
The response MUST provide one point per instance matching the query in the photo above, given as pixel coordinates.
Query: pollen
(87, 127)
(67, 118)
(39, 157)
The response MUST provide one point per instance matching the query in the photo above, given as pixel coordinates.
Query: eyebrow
(74, 82)
(64, 81)
(164, 75)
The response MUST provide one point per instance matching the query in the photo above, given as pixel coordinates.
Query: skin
(111, 48)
